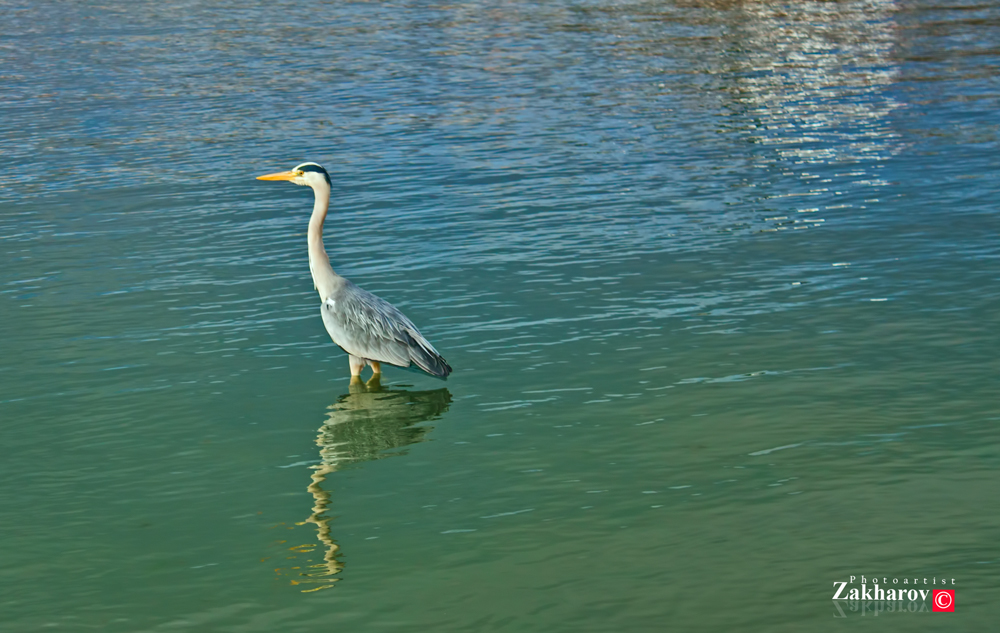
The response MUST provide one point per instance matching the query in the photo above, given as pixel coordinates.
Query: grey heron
(370, 329)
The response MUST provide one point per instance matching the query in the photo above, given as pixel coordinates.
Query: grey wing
(370, 327)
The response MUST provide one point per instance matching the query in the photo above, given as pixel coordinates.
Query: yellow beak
(283, 175)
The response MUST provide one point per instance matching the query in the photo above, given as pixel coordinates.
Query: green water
(718, 282)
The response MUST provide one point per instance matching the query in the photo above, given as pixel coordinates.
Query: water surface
(718, 280)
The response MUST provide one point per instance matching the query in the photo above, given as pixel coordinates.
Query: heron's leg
(374, 384)
(357, 364)
(376, 367)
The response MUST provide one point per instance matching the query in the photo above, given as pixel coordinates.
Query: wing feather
(370, 327)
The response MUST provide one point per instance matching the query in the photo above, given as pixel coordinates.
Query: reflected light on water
(813, 78)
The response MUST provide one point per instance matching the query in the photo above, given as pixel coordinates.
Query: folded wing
(370, 327)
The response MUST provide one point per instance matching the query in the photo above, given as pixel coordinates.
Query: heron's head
(310, 174)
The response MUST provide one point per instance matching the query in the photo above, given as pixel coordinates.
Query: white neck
(319, 263)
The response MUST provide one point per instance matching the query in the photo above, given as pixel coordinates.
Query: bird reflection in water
(364, 424)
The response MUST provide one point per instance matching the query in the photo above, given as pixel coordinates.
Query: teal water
(718, 281)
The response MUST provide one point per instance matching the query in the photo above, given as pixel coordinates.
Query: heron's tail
(424, 356)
